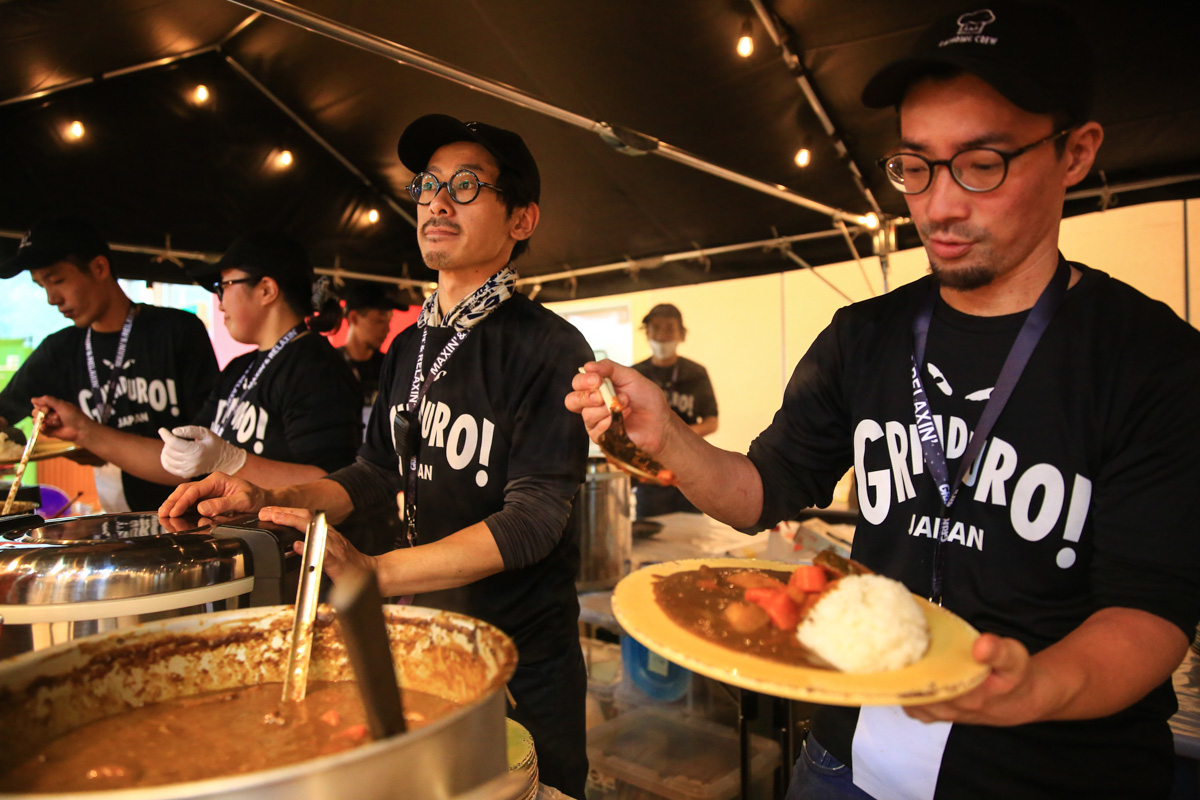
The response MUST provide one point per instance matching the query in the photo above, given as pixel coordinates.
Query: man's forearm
(723, 484)
(320, 495)
(461, 558)
(1107, 664)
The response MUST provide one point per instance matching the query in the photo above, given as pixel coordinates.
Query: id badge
(406, 431)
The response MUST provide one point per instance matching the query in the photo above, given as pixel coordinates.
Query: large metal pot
(49, 692)
(600, 519)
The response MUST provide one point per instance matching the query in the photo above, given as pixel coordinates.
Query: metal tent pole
(624, 139)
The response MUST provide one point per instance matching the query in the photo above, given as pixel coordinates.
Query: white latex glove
(192, 450)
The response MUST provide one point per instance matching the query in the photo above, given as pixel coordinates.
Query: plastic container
(653, 674)
(658, 753)
(604, 668)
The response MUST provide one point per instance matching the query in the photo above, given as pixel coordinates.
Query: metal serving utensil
(620, 451)
(295, 678)
(38, 418)
(360, 614)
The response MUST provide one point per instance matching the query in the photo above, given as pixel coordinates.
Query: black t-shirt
(304, 409)
(493, 419)
(687, 387)
(367, 374)
(169, 370)
(1085, 498)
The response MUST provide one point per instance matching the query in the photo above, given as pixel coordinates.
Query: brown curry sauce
(697, 601)
(211, 735)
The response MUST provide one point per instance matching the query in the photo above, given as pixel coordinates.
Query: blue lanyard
(931, 445)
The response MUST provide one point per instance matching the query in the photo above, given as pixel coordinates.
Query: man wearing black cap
(369, 309)
(1023, 431)
(469, 425)
(689, 393)
(131, 367)
(284, 412)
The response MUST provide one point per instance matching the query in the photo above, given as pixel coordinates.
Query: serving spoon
(620, 451)
(295, 678)
(38, 417)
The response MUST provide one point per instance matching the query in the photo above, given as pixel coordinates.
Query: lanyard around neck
(420, 385)
(117, 368)
(1018, 357)
(242, 387)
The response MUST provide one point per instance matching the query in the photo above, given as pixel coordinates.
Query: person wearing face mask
(689, 393)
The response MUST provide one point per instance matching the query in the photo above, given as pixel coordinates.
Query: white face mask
(663, 350)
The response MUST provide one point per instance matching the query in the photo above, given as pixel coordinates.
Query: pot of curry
(190, 707)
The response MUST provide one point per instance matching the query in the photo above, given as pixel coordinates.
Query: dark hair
(327, 306)
(515, 193)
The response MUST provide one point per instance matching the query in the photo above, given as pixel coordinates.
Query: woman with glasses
(288, 410)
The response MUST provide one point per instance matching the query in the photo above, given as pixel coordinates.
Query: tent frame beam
(623, 139)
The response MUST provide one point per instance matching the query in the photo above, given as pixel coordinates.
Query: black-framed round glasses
(220, 286)
(980, 169)
(463, 187)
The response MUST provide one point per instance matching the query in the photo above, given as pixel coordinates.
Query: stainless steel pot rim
(252, 780)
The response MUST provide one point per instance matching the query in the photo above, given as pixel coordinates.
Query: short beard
(436, 260)
(965, 279)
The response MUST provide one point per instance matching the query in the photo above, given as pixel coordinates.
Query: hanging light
(284, 159)
(869, 221)
(372, 216)
(803, 157)
(745, 44)
(75, 130)
(200, 94)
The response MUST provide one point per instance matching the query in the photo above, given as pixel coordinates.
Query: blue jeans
(819, 776)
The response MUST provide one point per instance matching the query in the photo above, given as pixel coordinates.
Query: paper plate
(946, 671)
(44, 447)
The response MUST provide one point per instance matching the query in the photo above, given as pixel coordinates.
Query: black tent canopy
(666, 158)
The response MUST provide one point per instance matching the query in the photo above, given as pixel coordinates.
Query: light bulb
(200, 95)
(76, 129)
(284, 159)
(372, 216)
(803, 157)
(745, 44)
(869, 220)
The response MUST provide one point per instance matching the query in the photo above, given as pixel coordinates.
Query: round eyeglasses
(980, 169)
(463, 187)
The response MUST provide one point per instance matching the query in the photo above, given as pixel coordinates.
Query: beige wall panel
(734, 328)
(1140, 245)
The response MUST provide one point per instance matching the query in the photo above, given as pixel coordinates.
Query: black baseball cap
(665, 310)
(264, 253)
(426, 134)
(1035, 55)
(359, 296)
(52, 240)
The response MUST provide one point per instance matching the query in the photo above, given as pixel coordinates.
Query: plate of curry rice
(673, 609)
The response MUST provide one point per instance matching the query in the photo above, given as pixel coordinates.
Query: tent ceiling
(154, 167)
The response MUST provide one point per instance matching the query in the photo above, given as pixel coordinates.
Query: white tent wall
(750, 332)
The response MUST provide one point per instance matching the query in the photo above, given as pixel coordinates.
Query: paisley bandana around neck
(473, 308)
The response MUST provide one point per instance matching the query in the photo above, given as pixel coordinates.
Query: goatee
(963, 279)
